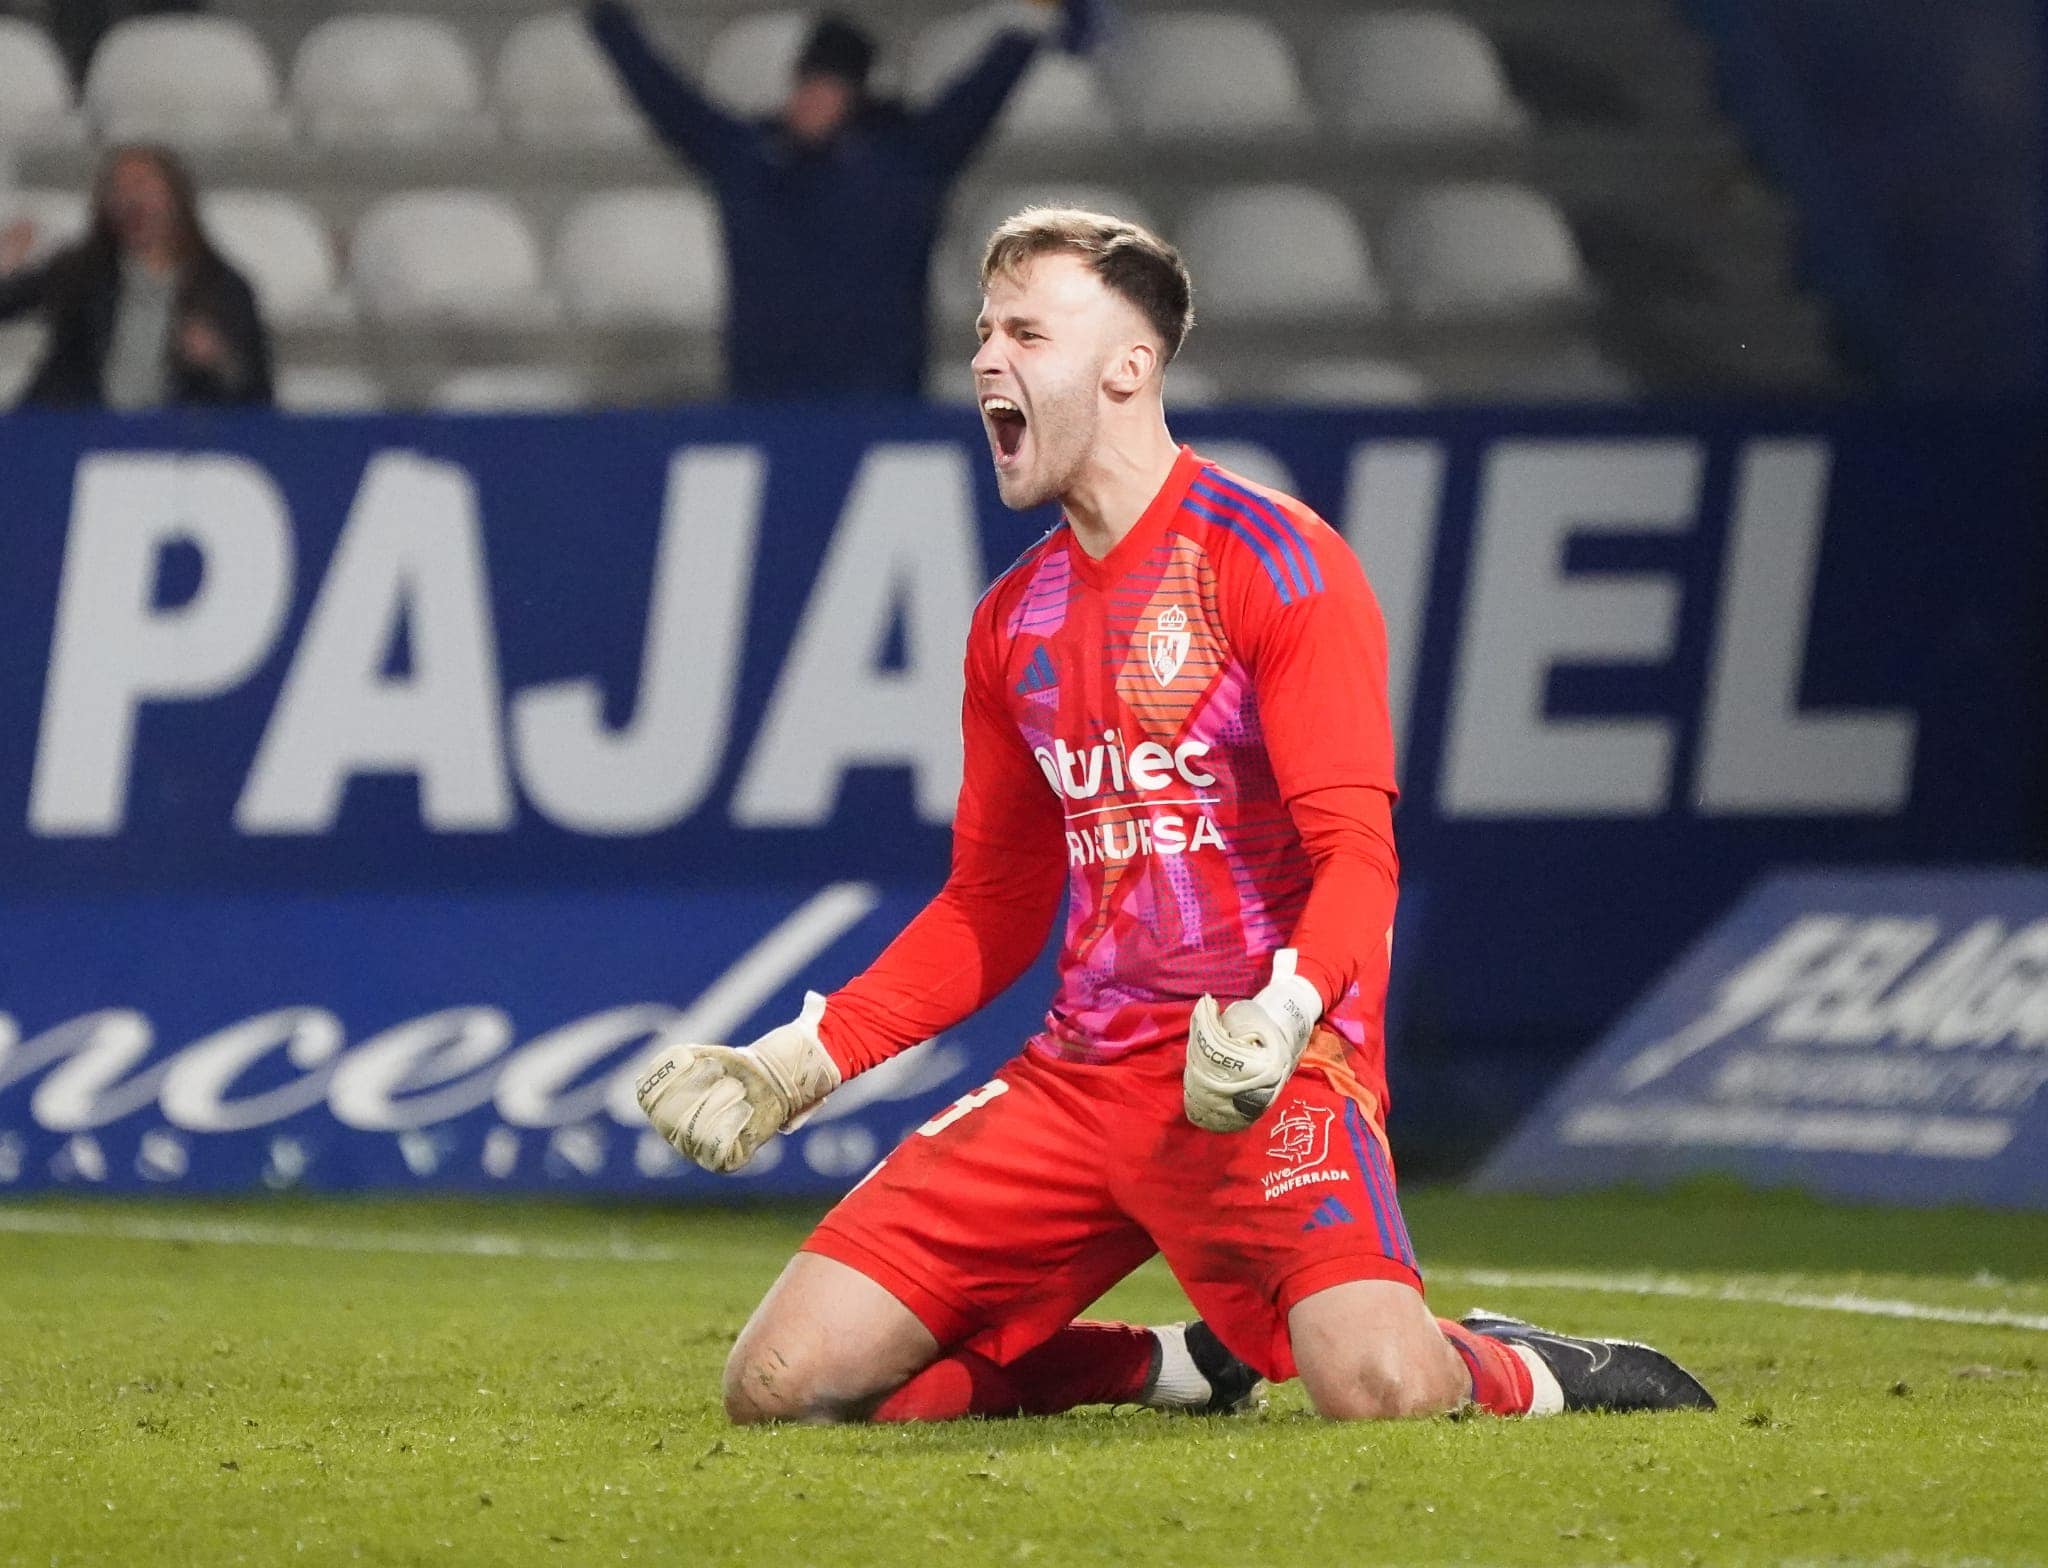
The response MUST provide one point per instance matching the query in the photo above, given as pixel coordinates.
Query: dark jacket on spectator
(79, 291)
(828, 249)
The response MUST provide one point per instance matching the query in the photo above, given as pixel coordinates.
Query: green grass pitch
(414, 1382)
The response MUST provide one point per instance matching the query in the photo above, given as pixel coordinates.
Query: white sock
(1179, 1384)
(1548, 1398)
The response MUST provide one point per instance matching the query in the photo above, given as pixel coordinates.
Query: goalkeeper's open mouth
(1006, 429)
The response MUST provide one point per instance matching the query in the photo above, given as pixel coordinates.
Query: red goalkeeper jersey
(1191, 737)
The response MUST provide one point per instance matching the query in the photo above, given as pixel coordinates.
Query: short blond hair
(1131, 261)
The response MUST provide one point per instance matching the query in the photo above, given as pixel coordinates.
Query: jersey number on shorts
(991, 1090)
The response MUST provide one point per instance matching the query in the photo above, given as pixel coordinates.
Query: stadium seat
(749, 64)
(1208, 76)
(642, 258)
(453, 257)
(1414, 74)
(948, 383)
(35, 90)
(387, 81)
(1264, 252)
(1191, 386)
(189, 80)
(328, 389)
(60, 218)
(1059, 100)
(285, 251)
(555, 89)
(1351, 383)
(511, 389)
(1481, 250)
(1575, 373)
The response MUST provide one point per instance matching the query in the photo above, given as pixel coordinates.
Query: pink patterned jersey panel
(1131, 683)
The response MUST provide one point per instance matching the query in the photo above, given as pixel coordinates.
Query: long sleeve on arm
(246, 376)
(1348, 831)
(1319, 660)
(23, 290)
(957, 121)
(990, 919)
(716, 142)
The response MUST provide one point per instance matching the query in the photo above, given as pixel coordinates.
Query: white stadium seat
(284, 250)
(1263, 252)
(35, 89)
(328, 389)
(387, 81)
(1190, 386)
(191, 80)
(1481, 250)
(512, 389)
(1413, 75)
(1575, 373)
(749, 65)
(1060, 99)
(554, 88)
(59, 218)
(1351, 383)
(947, 380)
(650, 257)
(452, 257)
(1207, 76)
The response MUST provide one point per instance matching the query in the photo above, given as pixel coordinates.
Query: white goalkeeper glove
(717, 1105)
(1239, 1059)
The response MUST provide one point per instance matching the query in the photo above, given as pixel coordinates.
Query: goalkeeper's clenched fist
(717, 1105)
(1238, 1059)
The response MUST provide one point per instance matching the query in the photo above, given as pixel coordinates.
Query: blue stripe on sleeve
(1231, 506)
(1280, 520)
(1244, 532)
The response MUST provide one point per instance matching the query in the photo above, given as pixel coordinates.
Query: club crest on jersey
(1301, 1138)
(1300, 1145)
(1167, 648)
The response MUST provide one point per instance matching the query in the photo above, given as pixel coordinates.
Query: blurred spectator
(831, 209)
(142, 312)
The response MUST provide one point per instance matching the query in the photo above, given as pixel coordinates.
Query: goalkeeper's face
(1050, 335)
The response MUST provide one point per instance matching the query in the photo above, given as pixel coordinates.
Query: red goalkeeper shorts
(1003, 1217)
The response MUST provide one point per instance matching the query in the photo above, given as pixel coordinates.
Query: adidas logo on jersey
(1329, 1212)
(1039, 675)
(1148, 766)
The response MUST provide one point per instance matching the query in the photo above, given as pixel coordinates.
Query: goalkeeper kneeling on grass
(1176, 716)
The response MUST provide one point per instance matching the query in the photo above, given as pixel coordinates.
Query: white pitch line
(487, 1244)
(1747, 1294)
(447, 1244)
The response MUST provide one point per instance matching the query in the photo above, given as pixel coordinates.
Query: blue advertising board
(1637, 657)
(1861, 1035)
(476, 1042)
